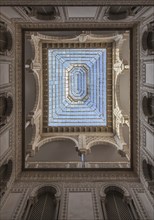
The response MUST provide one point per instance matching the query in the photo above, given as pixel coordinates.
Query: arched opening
(5, 38)
(148, 171)
(104, 152)
(6, 106)
(148, 105)
(118, 12)
(116, 207)
(42, 12)
(148, 108)
(44, 207)
(30, 93)
(5, 174)
(55, 154)
(148, 40)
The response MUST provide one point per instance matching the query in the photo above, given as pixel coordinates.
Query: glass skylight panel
(77, 87)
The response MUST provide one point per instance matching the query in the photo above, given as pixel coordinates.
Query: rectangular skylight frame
(63, 112)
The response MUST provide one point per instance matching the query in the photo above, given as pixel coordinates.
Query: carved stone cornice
(73, 176)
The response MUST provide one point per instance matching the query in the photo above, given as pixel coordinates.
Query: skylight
(77, 87)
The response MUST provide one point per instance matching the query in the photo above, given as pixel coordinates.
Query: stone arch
(148, 174)
(147, 40)
(116, 186)
(32, 71)
(55, 188)
(42, 12)
(118, 12)
(117, 92)
(117, 201)
(148, 107)
(6, 40)
(97, 142)
(120, 92)
(6, 108)
(49, 196)
(37, 98)
(148, 170)
(31, 88)
(47, 140)
(5, 176)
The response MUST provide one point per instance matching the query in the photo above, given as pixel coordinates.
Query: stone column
(57, 207)
(31, 202)
(104, 208)
(128, 201)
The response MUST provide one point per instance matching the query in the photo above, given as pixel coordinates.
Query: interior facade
(77, 110)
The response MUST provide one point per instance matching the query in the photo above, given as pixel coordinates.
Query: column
(104, 208)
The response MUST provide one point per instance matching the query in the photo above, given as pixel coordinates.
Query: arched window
(42, 12)
(148, 173)
(148, 108)
(5, 38)
(6, 106)
(45, 205)
(118, 12)
(118, 207)
(148, 40)
(5, 174)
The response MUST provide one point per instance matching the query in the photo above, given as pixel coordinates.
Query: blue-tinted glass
(77, 87)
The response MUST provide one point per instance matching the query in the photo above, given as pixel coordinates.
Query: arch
(148, 105)
(5, 175)
(116, 206)
(121, 93)
(31, 88)
(54, 187)
(56, 153)
(105, 153)
(118, 12)
(147, 40)
(117, 186)
(43, 203)
(148, 174)
(105, 141)
(6, 108)
(37, 97)
(5, 38)
(116, 201)
(47, 140)
(42, 12)
(148, 170)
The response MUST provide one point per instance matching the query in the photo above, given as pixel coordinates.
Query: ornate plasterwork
(96, 209)
(138, 203)
(53, 43)
(118, 185)
(18, 80)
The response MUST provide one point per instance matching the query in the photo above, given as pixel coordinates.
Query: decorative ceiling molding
(68, 26)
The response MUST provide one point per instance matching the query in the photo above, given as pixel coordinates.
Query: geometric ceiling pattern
(77, 87)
